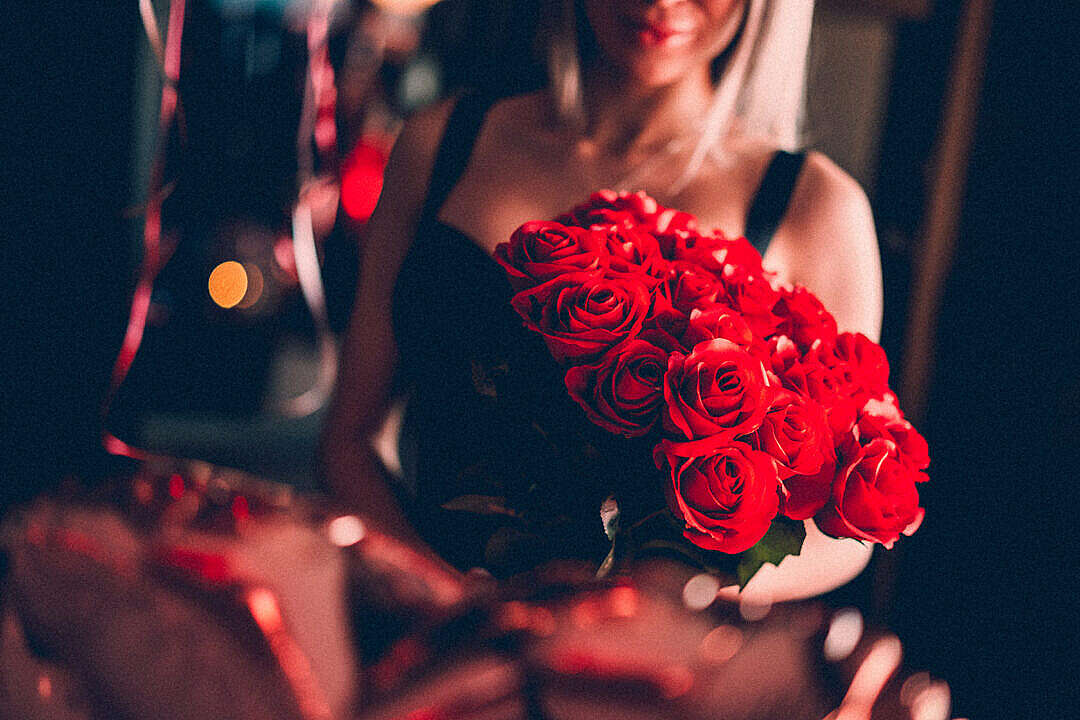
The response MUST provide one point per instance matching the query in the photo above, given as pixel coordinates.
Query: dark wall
(985, 587)
(67, 245)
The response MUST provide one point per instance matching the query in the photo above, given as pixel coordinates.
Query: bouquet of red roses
(763, 413)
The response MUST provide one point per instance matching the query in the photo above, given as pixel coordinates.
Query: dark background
(983, 593)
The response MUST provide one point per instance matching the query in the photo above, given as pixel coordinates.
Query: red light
(176, 486)
(362, 179)
(240, 510)
(263, 606)
(207, 566)
(623, 601)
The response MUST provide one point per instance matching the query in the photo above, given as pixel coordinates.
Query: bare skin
(525, 166)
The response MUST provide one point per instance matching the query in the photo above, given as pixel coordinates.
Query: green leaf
(480, 505)
(619, 555)
(608, 565)
(785, 537)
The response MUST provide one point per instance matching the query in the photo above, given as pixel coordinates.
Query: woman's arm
(369, 354)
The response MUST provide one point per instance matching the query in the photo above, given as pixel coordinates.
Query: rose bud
(810, 377)
(861, 364)
(795, 433)
(718, 321)
(883, 419)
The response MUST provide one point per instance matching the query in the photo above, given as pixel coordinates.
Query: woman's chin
(824, 564)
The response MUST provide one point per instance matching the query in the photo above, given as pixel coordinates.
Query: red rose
(607, 207)
(718, 321)
(861, 364)
(689, 286)
(623, 391)
(719, 389)
(795, 433)
(581, 315)
(874, 497)
(716, 250)
(630, 250)
(803, 318)
(666, 319)
(802, 496)
(726, 494)
(539, 251)
(809, 377)
(883, 419)
(752, 295)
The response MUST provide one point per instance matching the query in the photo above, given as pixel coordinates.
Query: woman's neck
(622, 118)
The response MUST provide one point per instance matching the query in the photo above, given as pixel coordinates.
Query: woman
(689, 100)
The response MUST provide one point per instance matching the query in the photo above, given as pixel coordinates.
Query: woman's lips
(651, 33)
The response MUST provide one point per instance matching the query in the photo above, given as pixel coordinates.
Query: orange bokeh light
(228, 284)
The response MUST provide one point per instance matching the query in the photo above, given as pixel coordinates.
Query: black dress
(498, 473)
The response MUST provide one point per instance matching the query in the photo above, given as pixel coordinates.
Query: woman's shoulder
(827, 197)
(828, 243)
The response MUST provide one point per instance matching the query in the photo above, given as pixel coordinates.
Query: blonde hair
(760, 91)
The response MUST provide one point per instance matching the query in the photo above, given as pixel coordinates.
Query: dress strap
(455, 148)
(773, 196)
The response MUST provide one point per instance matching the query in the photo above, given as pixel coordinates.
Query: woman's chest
(503, 187)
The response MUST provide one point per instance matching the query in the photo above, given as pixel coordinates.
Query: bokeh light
(623, 601)
(874, 671)
(228, 284)
(263, 607)
(362, 180)
(933, 702)
(176, 486)
(913, 687)
(700, 591)
(675, 681)
(345, 530)
(845, 631)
